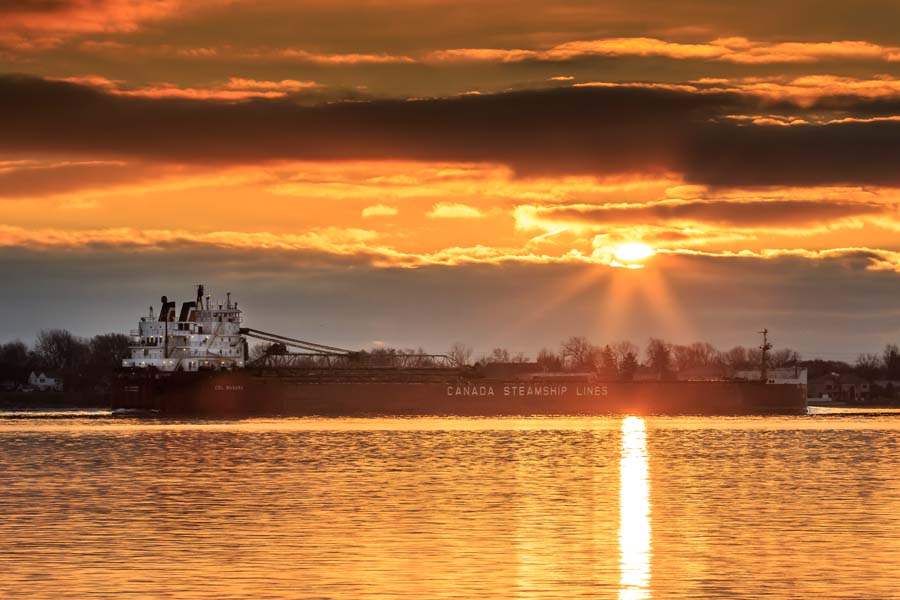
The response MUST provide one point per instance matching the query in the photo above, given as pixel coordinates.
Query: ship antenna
(764, 356)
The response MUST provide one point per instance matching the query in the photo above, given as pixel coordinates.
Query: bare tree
(623, 349)
(698, 354)
(498, 355)
(578, 353)
(107, 350)
(261, 349)
(548, 360)
(868, 365)
(736, 358)
(754, 357)
(705, 354)
(891, 361)
(15, 360)
(784, 357)
(14, 353)
(682, 357)
(59, 349)
(519, 357)
(460, 354)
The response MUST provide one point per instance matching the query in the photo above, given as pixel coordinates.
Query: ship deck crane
(317, 356)
(309, 347)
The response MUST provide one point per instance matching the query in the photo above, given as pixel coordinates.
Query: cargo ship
(197, 362)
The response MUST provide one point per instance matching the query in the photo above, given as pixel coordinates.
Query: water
(805, 507)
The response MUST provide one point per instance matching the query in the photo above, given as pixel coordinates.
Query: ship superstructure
(203, 336)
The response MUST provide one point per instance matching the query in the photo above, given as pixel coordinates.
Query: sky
(416, 173)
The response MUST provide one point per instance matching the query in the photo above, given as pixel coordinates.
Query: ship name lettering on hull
(228, 388)
(513, 391)
(591, 390)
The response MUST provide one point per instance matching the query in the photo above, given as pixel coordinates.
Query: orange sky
(452, 136)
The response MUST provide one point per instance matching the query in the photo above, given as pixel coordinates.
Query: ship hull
(245, 394)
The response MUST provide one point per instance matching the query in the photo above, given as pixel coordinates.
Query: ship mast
(764, 356)
(165, 311)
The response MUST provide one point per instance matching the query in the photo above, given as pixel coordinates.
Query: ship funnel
(228, 300)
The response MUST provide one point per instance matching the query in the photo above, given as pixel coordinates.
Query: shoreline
(44, 401)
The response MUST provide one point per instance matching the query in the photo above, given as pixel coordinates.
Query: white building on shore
(44, 381)
(780, 375)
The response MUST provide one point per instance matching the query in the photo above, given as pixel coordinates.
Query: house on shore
(45, 381)
(839, 387)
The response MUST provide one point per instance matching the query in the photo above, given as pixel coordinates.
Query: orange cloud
(741, 50)
(285, 85)
(332, 239)
(773, 216)
(336, 59)
(876, 259)
(454, 210)
(236, 88)
(379, 210)
(807, 89)
(363, 244)
(86, 15)
(736, 50)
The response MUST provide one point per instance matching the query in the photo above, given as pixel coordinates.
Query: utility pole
(764, 356)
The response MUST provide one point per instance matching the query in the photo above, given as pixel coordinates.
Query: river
(93, 506)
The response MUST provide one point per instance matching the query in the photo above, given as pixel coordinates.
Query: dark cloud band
(551, 132)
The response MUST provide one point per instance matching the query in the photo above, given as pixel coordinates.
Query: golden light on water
(632, 254)
(634, 512)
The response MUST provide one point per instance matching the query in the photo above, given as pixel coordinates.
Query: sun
(632, 254)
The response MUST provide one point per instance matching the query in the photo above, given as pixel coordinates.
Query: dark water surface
(805, 507)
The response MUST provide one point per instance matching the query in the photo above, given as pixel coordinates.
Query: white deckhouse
(204, 336)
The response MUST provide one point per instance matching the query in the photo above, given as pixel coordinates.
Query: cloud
(331, 240)
(599, 131)
(39, 25)
(379, 210)
(872, 259)
(332, 59)
(808, 89)
(768, 215)
(285, 85)
(735, 50)
(454, 210)
(33, 178)
(236, 88)
(366, 247)
(84, 182)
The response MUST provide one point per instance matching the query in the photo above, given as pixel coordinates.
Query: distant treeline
(89, 362)
(622, 359)
(83, 363)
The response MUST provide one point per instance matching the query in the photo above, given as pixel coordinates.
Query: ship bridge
(202, 335)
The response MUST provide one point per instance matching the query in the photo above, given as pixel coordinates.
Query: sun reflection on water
(634, 512)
